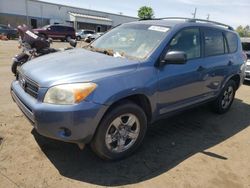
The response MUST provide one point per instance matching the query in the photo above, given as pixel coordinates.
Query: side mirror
(48, 28)
(175, 57)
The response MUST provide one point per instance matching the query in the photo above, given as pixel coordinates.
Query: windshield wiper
(109, 52)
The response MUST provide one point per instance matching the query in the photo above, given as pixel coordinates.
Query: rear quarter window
(232, 41)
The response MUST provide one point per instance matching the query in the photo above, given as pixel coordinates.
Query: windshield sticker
(158, 28)
(31, 34)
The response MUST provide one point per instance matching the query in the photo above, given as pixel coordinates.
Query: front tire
(224, 101)
(120, 132)
(78, 38)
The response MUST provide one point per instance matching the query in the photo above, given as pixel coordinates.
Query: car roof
(85, 30)
(185, 22)
(60, 25)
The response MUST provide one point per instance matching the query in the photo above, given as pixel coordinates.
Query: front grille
(247, 67)
(28, 85)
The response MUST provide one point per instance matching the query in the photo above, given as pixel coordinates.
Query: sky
(231, 12)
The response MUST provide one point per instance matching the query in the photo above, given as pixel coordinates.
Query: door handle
(201, 68)
(230, 63)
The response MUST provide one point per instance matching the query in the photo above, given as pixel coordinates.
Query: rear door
(217, 61)
(180, 85)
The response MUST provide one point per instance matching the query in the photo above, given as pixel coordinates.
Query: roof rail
(195, 20)
(212, 22)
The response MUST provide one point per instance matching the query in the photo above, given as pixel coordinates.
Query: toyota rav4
(107, 93)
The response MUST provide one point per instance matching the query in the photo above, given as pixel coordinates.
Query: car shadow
(168, 142)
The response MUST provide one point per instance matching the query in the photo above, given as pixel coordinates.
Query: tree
(247, 31)
(240, 30)
(145, 13)
(243, 31)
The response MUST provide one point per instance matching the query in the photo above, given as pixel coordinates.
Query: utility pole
(41, 6)
(194, 14)
(208, 16)
(27, 12)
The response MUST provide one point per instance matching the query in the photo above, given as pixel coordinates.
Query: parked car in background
(57, 31)
(93, 37)
(246, 49)
(107, 93)
(82, 34)
(9, 32)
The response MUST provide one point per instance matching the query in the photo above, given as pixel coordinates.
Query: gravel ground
(194, 149)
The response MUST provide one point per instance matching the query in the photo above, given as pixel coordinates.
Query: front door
(181, 85)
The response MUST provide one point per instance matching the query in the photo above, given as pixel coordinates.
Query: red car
(61, 32)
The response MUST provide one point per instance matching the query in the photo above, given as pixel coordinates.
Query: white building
(37, 13)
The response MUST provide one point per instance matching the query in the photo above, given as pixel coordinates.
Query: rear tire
(68, 38)
(224, 101)
(120, 132)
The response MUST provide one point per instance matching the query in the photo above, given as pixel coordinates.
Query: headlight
(67, 94)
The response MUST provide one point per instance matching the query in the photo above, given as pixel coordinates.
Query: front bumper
(247, 75)
(247, 71)
(69, 123)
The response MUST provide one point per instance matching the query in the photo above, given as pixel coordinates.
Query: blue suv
(107, 93)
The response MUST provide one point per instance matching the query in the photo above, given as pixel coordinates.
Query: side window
(61, 29)
(89, 32)
(188, 41)
(214, 43)
(232, 41)
(69, 29)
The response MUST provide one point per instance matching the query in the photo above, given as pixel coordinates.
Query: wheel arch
(236, 78)
(139, 99)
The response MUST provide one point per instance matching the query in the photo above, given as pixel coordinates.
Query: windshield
(45, 27)
(246, 46)
(136, 41)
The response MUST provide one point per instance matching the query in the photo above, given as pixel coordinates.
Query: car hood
(76, 65)
(39, 29)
